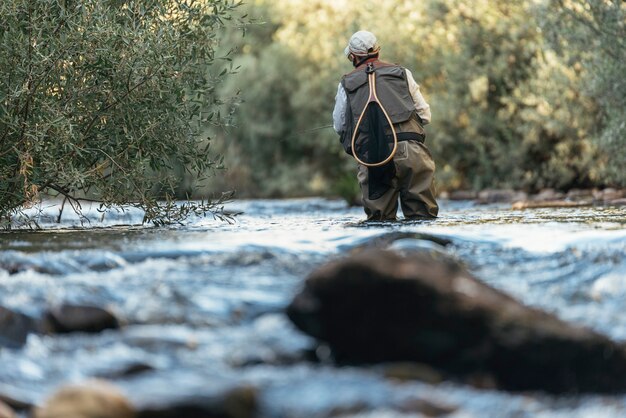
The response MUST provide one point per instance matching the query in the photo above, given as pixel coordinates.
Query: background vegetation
(113, 100)
(525, 94)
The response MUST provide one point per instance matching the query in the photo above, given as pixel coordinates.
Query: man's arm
(339, 112)
(423, 109)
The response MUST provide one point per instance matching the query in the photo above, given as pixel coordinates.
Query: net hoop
(373, 97)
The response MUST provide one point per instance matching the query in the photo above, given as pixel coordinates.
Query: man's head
(362, 45)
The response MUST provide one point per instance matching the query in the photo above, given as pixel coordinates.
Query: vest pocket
(401, 152)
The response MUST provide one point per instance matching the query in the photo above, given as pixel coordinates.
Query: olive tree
(100, 98)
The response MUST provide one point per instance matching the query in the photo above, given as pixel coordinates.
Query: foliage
(592, 33)
(502, 116)
(277, 148)
(507, 110)
(100, 98)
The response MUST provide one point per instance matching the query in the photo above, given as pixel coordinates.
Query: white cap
(360, 44)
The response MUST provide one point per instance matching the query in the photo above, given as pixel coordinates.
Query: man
(410, 175)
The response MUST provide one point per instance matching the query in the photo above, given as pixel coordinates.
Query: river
(202, 303)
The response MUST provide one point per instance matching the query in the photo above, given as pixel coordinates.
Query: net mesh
(374, 145)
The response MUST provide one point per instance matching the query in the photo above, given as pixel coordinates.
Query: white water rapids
(202, 303)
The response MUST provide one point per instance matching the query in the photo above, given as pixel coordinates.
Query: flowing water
(202, 304)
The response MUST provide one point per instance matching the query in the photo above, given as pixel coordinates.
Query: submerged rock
(528, 204)
(132, 368)
(15, 401)
(546, 195)
(95, 399)
(388, 239)
(78, 318)
(14, 328)
(580, 194)
(428, 408)
(616, 202)
(239, 402)
(6, 411)
(609, 194)
(404, 371)
(500, 196)
(463, 195)
(379, 306)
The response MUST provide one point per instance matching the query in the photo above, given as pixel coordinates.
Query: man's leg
(417, 187)
(381, 209)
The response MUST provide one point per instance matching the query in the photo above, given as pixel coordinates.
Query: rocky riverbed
(193, 316)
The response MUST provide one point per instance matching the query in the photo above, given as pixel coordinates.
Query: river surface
(202, 303)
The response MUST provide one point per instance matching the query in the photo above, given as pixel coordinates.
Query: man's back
(400, 119)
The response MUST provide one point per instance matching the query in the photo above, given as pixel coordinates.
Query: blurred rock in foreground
(6, 411)
(14, 327)
(100, 399)
(94, 399)
(238, 402)
(78, 318)
(379, 306)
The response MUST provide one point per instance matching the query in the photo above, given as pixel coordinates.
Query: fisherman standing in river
(380, 115)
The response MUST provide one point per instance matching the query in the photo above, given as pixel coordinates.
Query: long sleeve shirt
(341, 104)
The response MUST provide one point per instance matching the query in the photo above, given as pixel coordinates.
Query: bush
(591, 34)
(99, 99)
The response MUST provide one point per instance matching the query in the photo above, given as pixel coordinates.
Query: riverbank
(546, 198)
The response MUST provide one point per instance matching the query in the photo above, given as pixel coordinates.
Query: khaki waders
(413, 183)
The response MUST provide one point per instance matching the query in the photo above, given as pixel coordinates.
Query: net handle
(373, 97)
